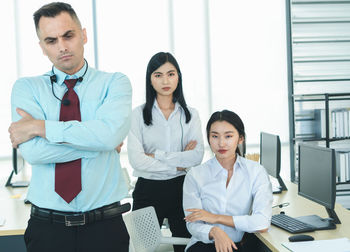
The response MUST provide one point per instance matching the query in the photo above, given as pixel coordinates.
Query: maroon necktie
(68, 175)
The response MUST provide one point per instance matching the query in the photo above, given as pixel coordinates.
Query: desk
(15, 212)
(300, 206)
(17, 215)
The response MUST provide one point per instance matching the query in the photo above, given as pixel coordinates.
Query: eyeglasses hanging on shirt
(53, 78)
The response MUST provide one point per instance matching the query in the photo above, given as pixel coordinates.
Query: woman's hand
(119, 147)
(222, 242)
(191, 145)
(263, 230)
(200, 215)
(150, 155)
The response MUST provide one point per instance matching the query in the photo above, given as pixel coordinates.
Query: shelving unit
(313, 122)
(318, 52)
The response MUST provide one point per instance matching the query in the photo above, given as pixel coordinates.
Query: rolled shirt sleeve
(191, 199)
(260, 218)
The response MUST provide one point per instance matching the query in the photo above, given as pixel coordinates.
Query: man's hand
(222, 240)
(200, 215)
(25, 129)
(150, 155)
(191, 145)
(119, 147)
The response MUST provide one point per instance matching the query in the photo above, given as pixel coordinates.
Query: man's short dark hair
(53, 10)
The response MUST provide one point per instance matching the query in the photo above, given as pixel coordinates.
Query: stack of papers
(334, 245)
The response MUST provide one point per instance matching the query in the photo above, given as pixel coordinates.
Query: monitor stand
(320, 223)
(276, 189)
(282, 184)
(16, 183)
(280, 188)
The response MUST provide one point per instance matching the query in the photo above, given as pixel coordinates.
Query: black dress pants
(249, 243)
(105, 235)
(166, 197)
(207, 247)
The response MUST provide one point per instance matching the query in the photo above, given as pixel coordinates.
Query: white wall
(244, 40)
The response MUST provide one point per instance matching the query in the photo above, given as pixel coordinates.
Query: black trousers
(166, 197)
(105, 235)
(249, 243)
(207, 247)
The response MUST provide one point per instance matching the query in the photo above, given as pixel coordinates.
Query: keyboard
(291, 224)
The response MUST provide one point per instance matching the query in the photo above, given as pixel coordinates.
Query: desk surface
(13, 209)
(300, 206)
(12, 206)
(16, 213)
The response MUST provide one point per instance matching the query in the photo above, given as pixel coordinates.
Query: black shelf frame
(327, 97)
(319, 97)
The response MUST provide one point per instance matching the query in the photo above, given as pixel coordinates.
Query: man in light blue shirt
(92, 220)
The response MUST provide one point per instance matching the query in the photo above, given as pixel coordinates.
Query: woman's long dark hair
(233, 119)
(155, 62)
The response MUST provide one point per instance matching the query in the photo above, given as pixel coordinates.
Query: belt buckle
(74, 220)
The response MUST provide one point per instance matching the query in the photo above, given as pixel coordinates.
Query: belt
(79, 218)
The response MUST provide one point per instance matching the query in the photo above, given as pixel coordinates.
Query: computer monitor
(317, 182)
(270, 158)
(18, 164)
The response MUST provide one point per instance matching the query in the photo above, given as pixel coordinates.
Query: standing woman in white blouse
(228, 195)
(165, 139)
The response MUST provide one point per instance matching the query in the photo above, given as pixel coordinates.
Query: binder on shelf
(347, 177)
(343, 165)
(320, 123)
(340, 123)
(334, 125)
(305, 124)
(346, 122)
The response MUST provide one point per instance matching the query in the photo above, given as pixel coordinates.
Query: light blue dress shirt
(105, 105)
(247, 198)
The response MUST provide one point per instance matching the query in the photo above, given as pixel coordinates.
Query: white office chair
(144, 231)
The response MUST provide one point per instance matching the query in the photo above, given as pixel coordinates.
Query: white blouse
(166, 139)
(247, 198)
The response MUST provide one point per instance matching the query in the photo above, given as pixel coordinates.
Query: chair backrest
(143, 228)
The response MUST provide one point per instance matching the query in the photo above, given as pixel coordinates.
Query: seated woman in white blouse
(227, 195)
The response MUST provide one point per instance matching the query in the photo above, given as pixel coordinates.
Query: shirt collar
(156, 106)
(61, 76)
(217, 168)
